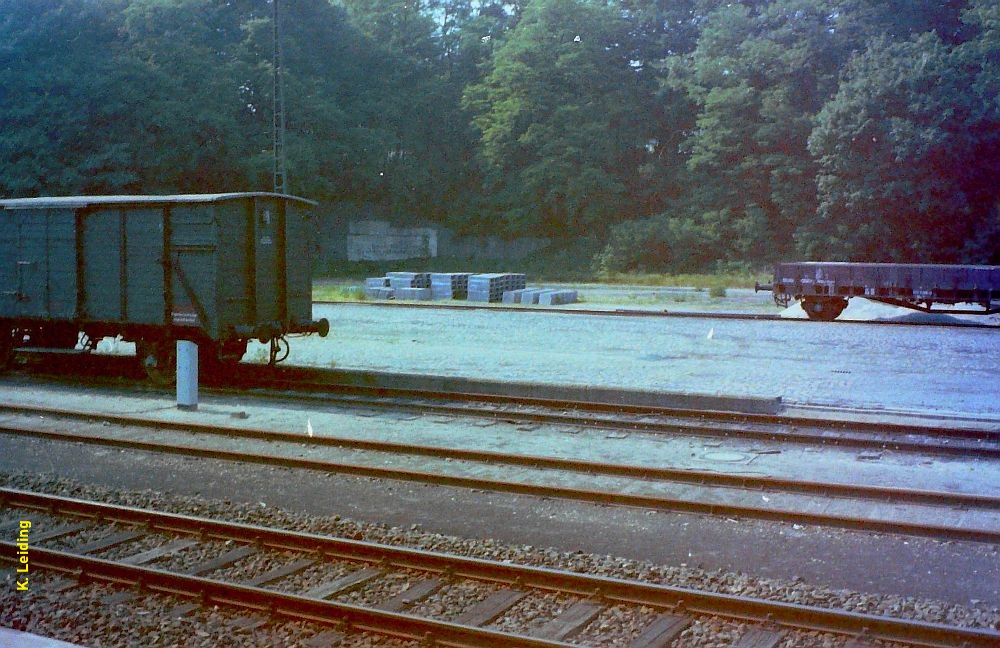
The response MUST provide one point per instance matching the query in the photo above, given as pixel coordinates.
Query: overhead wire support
(278, 110)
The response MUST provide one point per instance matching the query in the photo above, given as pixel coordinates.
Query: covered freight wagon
(217, 269)
(825, 287)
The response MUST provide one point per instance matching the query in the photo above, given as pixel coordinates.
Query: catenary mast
(278, 111)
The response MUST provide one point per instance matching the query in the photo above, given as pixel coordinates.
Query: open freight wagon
(217, 269)
(825, 287)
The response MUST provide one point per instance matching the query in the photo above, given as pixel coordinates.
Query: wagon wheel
(219, 359)
(824, 309)
(231, 352)
(158, 359)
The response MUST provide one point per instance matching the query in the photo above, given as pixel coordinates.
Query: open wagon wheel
(824, 309)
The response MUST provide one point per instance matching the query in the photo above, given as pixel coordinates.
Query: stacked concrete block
(512, 296)
(420, 294)
(378, 288)
(491, 287)
(379, 292)
(450, 285)
(557, 297)
(530, 295)
(409, 279)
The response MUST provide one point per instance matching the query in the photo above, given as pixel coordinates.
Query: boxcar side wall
(193, 263)
(223, 270)
(122, 271)
(38, 270)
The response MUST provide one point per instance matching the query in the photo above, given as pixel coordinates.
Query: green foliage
(662, 243)
(639, 135)
(894, 147)
(556, 115)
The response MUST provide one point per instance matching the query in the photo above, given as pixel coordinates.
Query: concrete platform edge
(583, 393)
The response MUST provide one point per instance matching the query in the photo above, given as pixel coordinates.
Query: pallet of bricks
(450, 285)
(410, 285)
(491, 287)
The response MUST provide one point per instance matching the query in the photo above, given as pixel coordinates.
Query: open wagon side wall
(824, 288)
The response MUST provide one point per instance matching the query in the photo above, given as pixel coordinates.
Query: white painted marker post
(187, 375)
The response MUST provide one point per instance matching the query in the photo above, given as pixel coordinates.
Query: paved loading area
(929, 369)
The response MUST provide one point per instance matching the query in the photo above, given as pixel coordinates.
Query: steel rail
(208, 591)
(533, 489)
(682, 475)
(631, 312)
(612, 590)
(307, 380)
(796, 435)
(828, 432)
(308, 384)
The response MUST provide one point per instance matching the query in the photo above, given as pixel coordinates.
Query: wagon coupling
(320, 327)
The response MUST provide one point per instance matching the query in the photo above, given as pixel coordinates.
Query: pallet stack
(418, 294)
(543, 296)
(409, 279)
(491, 287)
(557, 297)
(378, 288)
(450, 285)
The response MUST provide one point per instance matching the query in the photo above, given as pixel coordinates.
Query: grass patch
(327, 290)
(707, 281)
(340, 280)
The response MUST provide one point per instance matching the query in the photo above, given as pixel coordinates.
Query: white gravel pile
(865, 310)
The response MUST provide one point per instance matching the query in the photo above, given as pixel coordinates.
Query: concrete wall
(373, 240)
(362, 233)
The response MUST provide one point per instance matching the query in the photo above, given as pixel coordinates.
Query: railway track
(329, 388)
(298, 384)
(627, 312)
(353, 585)
(936, 514)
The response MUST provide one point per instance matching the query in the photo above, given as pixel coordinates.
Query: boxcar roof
(44, 202)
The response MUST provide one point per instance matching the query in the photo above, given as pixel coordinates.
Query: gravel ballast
(43, 614)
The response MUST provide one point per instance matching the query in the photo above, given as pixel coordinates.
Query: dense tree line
(637, 134)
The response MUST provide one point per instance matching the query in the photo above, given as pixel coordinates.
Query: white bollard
(187, 375)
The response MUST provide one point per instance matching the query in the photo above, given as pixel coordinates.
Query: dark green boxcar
(218, 269)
